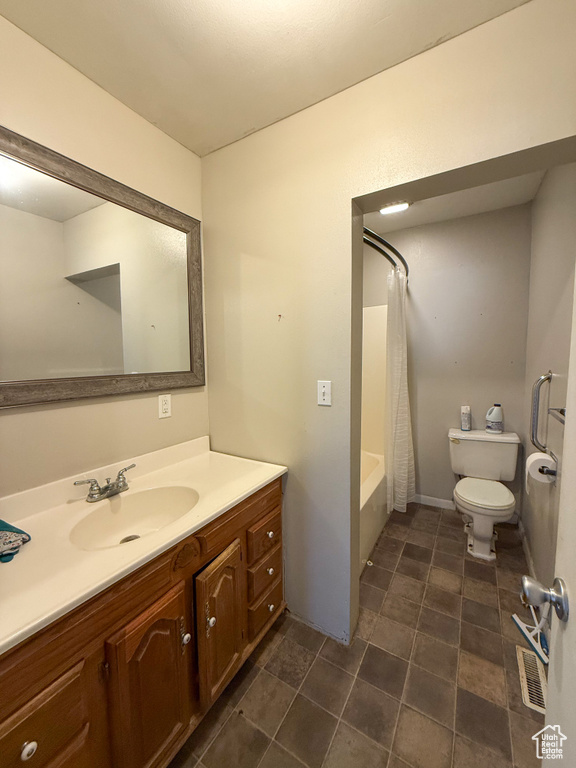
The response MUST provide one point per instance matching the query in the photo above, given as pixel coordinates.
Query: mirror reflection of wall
(87, 287)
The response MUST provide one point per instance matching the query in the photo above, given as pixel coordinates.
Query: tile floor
(430, 680)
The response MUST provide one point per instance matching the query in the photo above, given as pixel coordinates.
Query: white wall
(278, 232)
(548, 346)
(48, 101)
(467, 311)
(374, 379)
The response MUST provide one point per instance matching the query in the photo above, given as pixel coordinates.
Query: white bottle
(495, 419)
(465, 418)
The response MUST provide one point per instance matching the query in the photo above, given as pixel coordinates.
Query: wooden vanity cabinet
(125, 678)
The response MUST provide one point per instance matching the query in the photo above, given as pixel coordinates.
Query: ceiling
(209, 72)
(456, 205)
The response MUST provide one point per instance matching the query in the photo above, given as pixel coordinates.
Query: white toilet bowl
(485, 502)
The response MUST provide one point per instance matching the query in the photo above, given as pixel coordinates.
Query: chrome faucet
(111, 488)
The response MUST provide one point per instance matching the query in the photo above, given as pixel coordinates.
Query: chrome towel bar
(536, 410)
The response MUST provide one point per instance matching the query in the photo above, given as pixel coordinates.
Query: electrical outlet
(164, 406)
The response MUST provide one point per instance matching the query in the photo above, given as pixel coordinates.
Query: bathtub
(373, 512)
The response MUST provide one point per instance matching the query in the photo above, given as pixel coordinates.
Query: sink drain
(129, 538)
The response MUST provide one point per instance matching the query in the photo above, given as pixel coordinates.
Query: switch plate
(324, 393)
(164, 406)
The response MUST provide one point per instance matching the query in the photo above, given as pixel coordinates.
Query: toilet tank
(477, 453)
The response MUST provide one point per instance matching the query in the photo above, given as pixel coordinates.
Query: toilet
(483, 459)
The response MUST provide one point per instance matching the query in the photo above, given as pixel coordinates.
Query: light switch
(324, 393)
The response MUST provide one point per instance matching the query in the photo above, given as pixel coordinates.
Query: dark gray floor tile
(482, 642)
(428, 514)
(482, 677)
(371, 597)
(267, 702)
(481, 592)
(450, 547)
(451, 582)
(510, 660)
(480, 615)
(447, 532)
(413, 568)
(397, 762)
(366, 622)
(277, 757)
(399, 518)
(435, 656)
(443, 601)
(239, 743)
(306, 636)
(509, 580)
(396, 531)
(376, 577)
(431, 695)
(209, 727)
(327, 685)
(522, 731)
(393, 637)
(483, 722)
(510, 563)
(452, 519)
(421, 742)
(384, 559)
(372, 712)
(290, 662)
(448, 562)
(427, 526)
(414, 552)
(511, 603)
(350, 748)
(387, 544)
(439, 625)
(307, 731)
(403, 611)
(383, 670)
(406, 588)
(421, 538)
(347, 657)
(468, 754)
(185, 757)
(480, 572)
(266, 647)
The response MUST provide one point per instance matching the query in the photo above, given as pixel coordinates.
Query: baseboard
(526, 548)
(431, 501)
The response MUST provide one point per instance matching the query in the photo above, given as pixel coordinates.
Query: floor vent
(532, 679)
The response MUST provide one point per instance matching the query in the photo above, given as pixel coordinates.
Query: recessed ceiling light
(395, 207)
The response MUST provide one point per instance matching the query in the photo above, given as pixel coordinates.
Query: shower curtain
(399, 450)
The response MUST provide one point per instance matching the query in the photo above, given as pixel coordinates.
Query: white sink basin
(127, 517)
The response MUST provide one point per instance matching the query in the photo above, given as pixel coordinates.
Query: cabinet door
(150, 682)
(221, 619)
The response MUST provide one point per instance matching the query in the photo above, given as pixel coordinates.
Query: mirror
(100, 285)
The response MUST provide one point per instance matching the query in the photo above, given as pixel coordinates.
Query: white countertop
(50, 576)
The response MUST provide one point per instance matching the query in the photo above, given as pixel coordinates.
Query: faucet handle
(121, 472)
(95, 490)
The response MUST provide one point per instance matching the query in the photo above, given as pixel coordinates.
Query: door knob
(534, 593)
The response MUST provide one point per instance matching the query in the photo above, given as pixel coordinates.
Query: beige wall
(277, 214)
(374, 324)
(44, 99)
(548, 346)
(467, 312)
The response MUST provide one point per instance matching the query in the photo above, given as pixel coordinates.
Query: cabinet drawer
(262, 575)
(51, 719)
(262, 611)
(264, 536)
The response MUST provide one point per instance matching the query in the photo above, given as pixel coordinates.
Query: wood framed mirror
(100, 285)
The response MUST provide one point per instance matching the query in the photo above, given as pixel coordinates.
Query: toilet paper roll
(533, 464)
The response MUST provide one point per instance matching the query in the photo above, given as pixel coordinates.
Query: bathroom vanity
(122, 679)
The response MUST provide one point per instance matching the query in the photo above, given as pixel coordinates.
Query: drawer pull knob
(270, 571)
(271, 607)
(212, 621)
(270, 534)
(28, 750)
(186, 638)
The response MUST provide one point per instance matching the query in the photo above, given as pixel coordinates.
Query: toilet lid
(484, 493)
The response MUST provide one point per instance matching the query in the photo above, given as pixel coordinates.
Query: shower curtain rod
(369, 233)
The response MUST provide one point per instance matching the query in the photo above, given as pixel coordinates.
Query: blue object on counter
(11, 539)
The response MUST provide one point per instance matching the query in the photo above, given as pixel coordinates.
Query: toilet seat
(483, 496)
